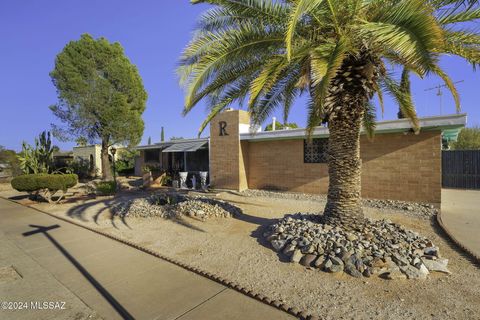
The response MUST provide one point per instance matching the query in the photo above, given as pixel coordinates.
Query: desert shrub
(106, 188)
(46, 185)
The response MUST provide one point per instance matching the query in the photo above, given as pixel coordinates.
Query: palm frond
(267, 77)
(449, 83)
(453, 16)
(369, 120)
(316, 110)
(299, 9)
(403, 99)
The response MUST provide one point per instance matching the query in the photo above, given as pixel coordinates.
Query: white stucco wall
(84, 154)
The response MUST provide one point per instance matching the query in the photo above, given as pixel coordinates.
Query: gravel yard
(236, 249)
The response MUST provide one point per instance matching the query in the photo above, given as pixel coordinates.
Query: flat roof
(455, 121)
(165, 144)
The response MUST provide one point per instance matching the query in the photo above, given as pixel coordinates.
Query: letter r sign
(223, 128)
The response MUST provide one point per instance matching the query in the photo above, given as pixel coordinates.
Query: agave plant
(337, 52)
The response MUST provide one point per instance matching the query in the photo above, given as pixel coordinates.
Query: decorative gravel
(424, 210)
(382, 248)
(173, 205)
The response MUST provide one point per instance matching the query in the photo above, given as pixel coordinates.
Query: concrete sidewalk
(22, 279)
(461, 217)
(117, 281)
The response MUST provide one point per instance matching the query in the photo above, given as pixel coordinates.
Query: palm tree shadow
(81, 211)
(84, 211)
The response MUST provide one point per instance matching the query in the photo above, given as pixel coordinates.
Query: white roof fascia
(456, 120)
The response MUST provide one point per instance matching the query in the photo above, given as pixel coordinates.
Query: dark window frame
(152, 155)
(315, 151)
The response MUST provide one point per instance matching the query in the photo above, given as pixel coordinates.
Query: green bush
(47, 184)
(36, 182)
(106, 188)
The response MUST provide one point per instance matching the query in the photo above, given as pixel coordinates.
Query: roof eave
(390, 126)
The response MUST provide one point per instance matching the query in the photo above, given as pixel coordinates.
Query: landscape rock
(413, 273)
(394, 275)
(432, 251)
(332, 267)
(165, 205)
(352, 270)
(278, 244)
(307, 260)
(319, 262)
(439, 265)
(289, 249)
(381, 247)
(296, 256)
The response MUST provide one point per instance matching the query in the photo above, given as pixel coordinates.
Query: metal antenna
(440, 92)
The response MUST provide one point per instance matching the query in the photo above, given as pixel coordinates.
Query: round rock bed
(382, 248)
(174, 205)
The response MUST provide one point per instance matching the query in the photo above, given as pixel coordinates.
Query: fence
(461, 169)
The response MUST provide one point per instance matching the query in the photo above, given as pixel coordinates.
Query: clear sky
(153, 33)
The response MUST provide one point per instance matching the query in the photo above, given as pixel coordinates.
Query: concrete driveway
(461, 216)
(115, 280)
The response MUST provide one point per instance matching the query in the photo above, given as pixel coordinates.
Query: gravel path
(422, 210)
(235, 249)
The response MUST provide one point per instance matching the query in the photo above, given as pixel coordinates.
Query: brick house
(396, 164)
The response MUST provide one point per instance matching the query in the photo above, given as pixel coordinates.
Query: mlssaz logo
(223, 128)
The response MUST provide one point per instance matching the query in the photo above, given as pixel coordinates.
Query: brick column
(229, 156)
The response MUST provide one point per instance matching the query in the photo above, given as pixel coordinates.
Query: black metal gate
(461, 169)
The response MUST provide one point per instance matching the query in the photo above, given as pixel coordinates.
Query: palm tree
(338, 53)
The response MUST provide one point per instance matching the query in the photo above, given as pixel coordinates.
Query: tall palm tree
(338, 53)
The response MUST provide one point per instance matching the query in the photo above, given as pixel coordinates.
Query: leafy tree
(149, 140)
(81, 141)
(101, 95)
(125, 163)
(337, 52)
(468, 139)
(280, 126)
(9, 157)
(162, 135)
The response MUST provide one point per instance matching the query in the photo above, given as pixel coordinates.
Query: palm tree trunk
(352, 88)
(344, 205)
(106, 168)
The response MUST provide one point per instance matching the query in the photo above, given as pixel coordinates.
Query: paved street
(461, 216)
(63, 262)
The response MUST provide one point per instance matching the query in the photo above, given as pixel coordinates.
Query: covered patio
(173, 157)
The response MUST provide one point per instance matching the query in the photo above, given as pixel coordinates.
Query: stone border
(458, 243)
(303, 315)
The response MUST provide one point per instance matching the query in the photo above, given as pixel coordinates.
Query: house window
(152, 155)
(315, 151)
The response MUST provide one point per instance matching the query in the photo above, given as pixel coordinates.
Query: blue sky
(153, 34)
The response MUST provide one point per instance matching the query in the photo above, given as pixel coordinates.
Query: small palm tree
(338, 53)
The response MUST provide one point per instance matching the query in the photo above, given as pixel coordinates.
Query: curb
(303, 315)
(458, 243)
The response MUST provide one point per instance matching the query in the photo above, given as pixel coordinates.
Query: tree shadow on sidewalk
(122, 312)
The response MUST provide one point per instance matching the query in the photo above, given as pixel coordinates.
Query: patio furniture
(183, 179)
